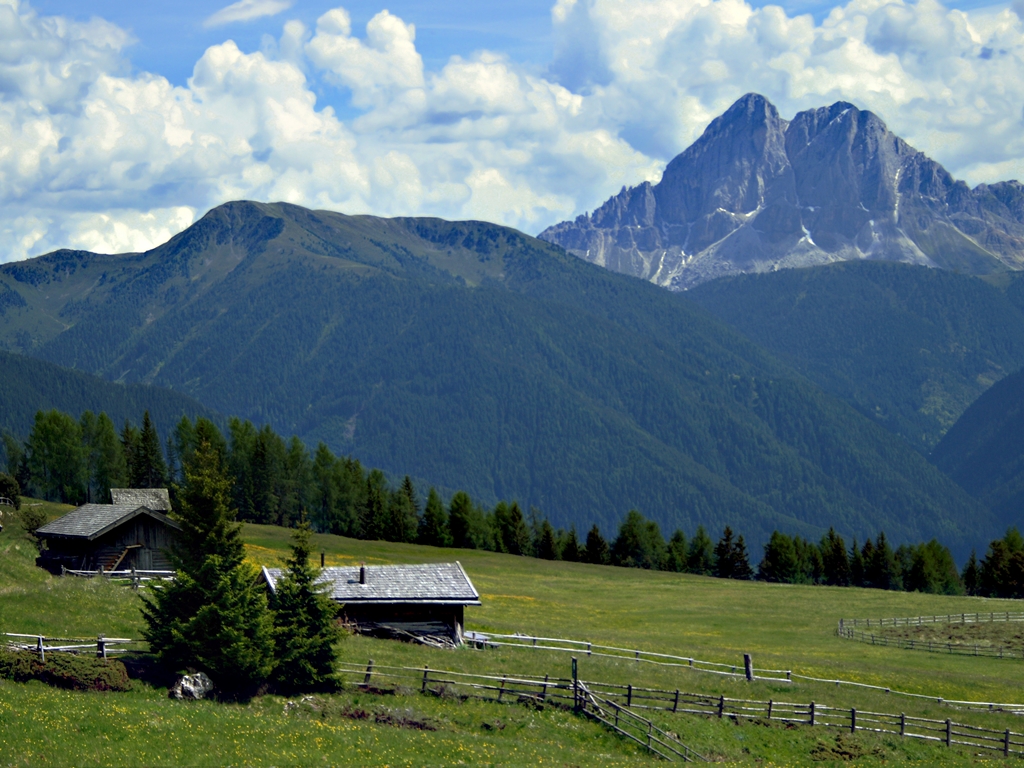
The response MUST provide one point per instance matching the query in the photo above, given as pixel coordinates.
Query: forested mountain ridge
(908, 346)
(471, 356)
(984, 450)
(757, 193)
(28, 385)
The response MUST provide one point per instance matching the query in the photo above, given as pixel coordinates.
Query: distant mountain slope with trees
(473, 357)
(28, 385)
(984, 450)
(907, 346)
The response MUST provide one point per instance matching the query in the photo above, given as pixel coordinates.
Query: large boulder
(195, 686)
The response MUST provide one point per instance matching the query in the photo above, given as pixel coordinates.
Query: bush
(32, 519)
(65, 670)
(9, 489)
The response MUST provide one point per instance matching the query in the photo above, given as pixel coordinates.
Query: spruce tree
(149, 469)
(305, 623)
(56, 458)
(970, 574)
(741, 561)
(375, 513)
(724, 554)
(835, 561)
(571, 547)
(214, 615)
(780, 561)
(547, 546)
(676, 560)
(434, 523)
(856, 566)
(700, 557)
(9, 489)
(597, 548)
(461, 516)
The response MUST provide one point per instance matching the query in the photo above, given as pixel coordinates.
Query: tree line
(277, 481)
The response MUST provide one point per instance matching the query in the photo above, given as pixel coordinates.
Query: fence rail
(486, 640)
(132, 575)
(619, 706)
(978, 617)
(42, 644)
(960, 649)
(481, 640)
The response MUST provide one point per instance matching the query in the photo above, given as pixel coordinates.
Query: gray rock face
(757, 193)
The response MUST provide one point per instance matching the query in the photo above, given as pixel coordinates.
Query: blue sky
(123, 122)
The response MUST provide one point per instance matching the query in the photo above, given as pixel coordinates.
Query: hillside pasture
(782, 627)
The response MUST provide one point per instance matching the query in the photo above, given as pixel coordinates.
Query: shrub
(10, 489)
(65, 670)
(32, 519)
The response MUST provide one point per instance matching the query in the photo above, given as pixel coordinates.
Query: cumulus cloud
(247, 10)
(95, 156)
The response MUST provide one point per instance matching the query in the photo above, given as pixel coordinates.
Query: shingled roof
(90, 521)
(439, 583)
(156, 499)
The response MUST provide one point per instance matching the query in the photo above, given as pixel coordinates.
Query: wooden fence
(616, 699)
(980, 617)
(480, 640)
(41, 644)
(961, 649)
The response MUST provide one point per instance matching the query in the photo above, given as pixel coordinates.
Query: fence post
(588, 649)
(949, 732)
(501, 691)
(675, 705)
(853, 720)
(748, 666)
(812, 713)
(721, 706)
(101, 646)
(637, 656)
(903, 724)
(426, 671)
(769, 709)
(575, 688)
(42, 651)
(544, 691)
(369, 671)
(1006, 743)
(629, 695)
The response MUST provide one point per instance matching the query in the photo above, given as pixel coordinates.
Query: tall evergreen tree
(305, 624)
(970, 575)
(571, 547)
(856, 565)
(511, 532)
(434, 523)
(597, 548)
(375, 514)
(835, 561)
(547, 545)
(780, 561)
(677, 553)
(700, 557)
(741, 561)
(56, 458)
(639, 543)
(402, 519)
(461, 515)
(724, 554)
(105, 456)
(214, 615)
(148, 469)
(882, 570)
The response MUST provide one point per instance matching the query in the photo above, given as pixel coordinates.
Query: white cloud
(247, 10)
(96, 157)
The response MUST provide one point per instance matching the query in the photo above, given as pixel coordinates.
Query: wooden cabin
(424, 602)
(118, 536)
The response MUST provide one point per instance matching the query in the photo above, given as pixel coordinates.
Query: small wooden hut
(134, 532)
(423, 602)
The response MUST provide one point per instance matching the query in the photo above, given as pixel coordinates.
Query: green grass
(788, 627)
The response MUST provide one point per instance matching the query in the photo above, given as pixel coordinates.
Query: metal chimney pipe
(362, 574)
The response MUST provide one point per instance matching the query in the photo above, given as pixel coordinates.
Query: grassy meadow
(781, 626)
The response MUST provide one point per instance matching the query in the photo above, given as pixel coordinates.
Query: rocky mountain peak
(757, 193)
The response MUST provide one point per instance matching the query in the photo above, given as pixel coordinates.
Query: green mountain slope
(907, 346)
(28, 385)
(475, 357)
(984, 450)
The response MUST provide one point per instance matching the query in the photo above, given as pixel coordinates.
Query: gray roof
(156, 499)
(427, 583)
(92, 520)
